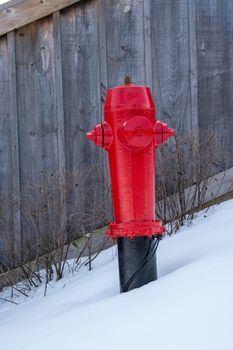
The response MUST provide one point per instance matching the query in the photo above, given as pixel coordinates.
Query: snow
(189, 307)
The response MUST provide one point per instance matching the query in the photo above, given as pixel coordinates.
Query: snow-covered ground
(189, 307)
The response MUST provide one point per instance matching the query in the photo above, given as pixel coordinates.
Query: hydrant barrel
(130, 111)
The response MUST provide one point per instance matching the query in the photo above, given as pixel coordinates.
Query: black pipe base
(131, 257)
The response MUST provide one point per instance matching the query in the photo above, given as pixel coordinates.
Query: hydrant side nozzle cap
(163, 132)
(96, 135)
(90, 135)
(101, 135)
(172, 132)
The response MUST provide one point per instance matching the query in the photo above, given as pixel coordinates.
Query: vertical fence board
(215, 78)
(125, 41)
(147, 42)
(15, 165)
(59, 92)
(37, 112)
(60, 116)
(171, 62)
(101, 16)
(6, 227)
(80, 81)
(193, 65)
(5, 145)
(82, 98)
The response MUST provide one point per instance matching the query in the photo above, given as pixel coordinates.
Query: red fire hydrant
(130, 134)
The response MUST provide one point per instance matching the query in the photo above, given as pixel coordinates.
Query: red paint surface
(130, 134)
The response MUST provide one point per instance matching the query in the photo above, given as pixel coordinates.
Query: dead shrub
(185, 172)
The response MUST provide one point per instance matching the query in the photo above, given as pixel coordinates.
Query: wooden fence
(54, 73)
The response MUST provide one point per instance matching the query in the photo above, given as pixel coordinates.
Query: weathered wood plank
(15, 163)
(59, 91)
(36, 100)
(171, 62)
(193, 64)
(5, 140)
(82, 102)
(147, 42)
(215, 78)
(101, 16)
(125, 41)
(60, 116)
(17, 13)
(6, 228)
(37, 111)
(80, 80)
(171, 72)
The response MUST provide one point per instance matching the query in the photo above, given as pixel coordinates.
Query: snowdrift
(189, 307)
